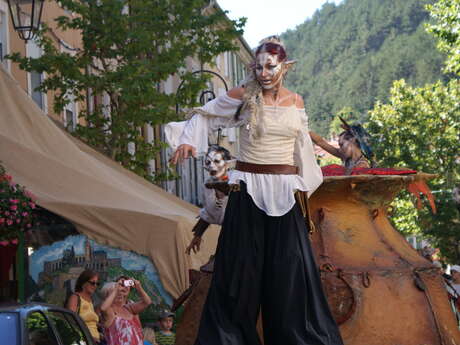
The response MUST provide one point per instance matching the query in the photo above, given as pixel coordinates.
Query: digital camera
(128, 282)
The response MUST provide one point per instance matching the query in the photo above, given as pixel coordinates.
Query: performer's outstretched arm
(319, 140)
(195, 134)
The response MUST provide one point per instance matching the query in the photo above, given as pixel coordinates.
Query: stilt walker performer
(264, 261)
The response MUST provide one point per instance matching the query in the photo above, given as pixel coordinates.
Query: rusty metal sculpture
(380, 290)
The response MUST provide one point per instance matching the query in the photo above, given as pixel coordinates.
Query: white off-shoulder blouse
(286, 140)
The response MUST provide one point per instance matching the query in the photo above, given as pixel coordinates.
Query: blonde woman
(121, 323)
(264, 259)
(149, 336)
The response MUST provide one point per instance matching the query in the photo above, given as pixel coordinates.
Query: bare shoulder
(293, 96)
(236, 92)
(299, 101)
(72, 302)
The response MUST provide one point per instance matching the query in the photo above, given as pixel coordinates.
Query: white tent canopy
(102, 199)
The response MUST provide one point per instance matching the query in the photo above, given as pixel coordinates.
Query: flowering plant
(16, 208)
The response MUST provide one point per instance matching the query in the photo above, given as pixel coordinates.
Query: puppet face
(215, 164)
(269, 70)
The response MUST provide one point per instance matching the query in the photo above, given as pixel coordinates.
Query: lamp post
(26, 15)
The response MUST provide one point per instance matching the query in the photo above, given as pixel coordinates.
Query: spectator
(165, 336)
(81, 302)
(455, 273)
(149, 336)
(121, 321)
(453, 288)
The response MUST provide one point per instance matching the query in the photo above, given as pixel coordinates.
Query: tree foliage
(446, 28)
(128, 48)
(419, 128)
(350, 54)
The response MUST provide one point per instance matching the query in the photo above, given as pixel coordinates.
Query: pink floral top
(124, 332)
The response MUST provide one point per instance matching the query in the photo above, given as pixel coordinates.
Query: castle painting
(54, 270)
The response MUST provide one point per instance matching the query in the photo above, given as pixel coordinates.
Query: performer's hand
(183, 152)
(194, 245)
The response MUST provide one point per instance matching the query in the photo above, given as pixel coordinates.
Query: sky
(270, 17)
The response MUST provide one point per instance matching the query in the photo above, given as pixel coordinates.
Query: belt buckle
(234, 187)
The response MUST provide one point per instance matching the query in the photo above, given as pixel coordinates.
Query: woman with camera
(121, 322)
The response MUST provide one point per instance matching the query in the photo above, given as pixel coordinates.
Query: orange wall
(71, 37)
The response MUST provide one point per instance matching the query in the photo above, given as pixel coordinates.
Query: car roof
(28, 307)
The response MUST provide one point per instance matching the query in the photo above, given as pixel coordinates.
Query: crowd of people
(116, 320)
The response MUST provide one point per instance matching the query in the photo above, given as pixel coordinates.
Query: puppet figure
(215, 196)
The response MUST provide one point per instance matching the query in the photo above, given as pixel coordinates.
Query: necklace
(350, 163)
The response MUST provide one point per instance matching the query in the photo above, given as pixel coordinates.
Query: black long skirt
(265, 264)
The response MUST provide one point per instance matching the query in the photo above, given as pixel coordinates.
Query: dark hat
(164, 314)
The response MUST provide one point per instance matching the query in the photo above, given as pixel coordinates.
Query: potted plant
(16, 209)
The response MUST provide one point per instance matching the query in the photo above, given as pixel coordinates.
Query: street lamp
(26, 15)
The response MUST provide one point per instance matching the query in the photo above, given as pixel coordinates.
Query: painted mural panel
(54, 270)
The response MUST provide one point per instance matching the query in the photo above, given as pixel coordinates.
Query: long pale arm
(194, 136)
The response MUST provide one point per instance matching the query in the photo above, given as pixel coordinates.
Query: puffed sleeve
(304, 156)
(195, 131)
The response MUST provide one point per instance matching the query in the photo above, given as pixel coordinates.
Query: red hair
(272, 48)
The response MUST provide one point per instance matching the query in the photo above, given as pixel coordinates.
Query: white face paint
(269, 71)
(215, 164)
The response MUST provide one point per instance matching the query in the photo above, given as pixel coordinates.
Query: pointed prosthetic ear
(289, 64)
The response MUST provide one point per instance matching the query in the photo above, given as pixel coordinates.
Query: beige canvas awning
(105, 201)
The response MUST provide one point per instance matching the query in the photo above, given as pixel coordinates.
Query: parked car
(41, 324)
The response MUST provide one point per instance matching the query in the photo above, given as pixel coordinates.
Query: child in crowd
(165, 336)
(149, 336)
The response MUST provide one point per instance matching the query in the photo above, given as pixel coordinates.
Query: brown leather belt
(280, 169)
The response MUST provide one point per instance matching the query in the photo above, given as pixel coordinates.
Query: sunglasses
(93, 283)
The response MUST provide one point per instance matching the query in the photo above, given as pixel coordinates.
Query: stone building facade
(231, 66)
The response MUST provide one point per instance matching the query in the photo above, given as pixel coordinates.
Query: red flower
(5, 177)
(14, 201)
(2, 220)
(9, 222)
(25, 214)
(13, 208)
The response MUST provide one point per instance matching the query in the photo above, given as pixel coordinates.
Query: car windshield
(9, 328)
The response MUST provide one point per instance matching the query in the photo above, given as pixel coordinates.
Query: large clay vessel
(380, 290)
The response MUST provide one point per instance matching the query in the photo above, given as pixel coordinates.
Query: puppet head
(355, 139)
(271, 62)
(216, 161)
